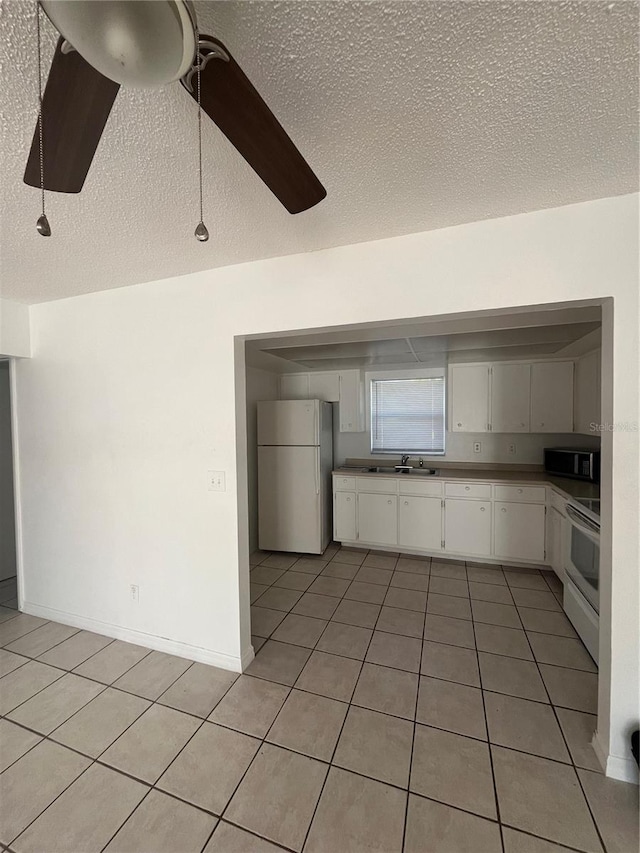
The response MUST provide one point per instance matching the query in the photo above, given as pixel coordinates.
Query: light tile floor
(395, 704)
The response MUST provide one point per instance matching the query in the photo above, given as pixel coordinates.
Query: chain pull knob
(201, 232)
(43, 225)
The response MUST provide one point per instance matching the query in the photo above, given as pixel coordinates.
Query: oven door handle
(581, 521)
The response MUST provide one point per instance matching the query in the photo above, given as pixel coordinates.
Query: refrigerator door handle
(317, 471)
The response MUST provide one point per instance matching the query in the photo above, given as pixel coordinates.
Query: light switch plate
(217, 482)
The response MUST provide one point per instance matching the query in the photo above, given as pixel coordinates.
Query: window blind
(407, 415)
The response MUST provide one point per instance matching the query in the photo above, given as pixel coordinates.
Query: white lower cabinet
(378, 518)
(519, 531)
(344, 516)
(467, 527)
(420, 523)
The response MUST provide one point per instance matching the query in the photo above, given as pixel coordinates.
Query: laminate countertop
(564, 485)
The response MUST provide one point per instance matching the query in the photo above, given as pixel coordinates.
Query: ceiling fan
(110, 43)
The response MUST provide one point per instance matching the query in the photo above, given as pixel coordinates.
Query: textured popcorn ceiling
(415, 115)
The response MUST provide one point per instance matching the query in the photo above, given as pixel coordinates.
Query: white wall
(15, 336)
(138, 396)
(459, 447)
(7, 510)
(261, 385)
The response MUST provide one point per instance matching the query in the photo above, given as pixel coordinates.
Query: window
(407, 415)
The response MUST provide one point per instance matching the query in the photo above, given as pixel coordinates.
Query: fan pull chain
(201, 232)
(43, 223)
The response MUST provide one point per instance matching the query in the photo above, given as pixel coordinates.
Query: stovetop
(591, 504)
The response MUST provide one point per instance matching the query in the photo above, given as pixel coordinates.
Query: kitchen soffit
(414, 115)
(496, 344)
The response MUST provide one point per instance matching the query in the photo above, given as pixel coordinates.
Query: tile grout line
(566, 743)
(196, 730)
(486, 725)
(349, 706)
(415, 716)
(290, 689)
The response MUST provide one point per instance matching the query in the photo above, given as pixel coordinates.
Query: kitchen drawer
(344, 484)
(481, 491)
(558, 502)
(430, 488)
(384, 485)
(530, 494)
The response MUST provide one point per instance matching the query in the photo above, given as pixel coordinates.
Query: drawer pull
(481, 509)
(406, 503)
(459, 424)
(519, 491)
(467, 488)
(348, 500)
(503, 509)
(388, 502)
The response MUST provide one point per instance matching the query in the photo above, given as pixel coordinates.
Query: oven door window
(585, 559)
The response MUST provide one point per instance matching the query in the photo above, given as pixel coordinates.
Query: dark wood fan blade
(75, 107)
(232, 102)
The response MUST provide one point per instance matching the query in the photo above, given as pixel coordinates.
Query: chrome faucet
(404, 460)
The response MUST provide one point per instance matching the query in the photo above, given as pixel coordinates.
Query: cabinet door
(378, 519)
(552, 397)
(350, 401)
(467, 527)
(294, 386)
(344, 516)
(510, 397)
(587, 393)
(518, 531)
(469, 389)
(324, 386)
(420, 523)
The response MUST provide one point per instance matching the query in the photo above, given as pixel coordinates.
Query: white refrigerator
(295, 458)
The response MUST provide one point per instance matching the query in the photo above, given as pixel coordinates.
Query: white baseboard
(139, 638)
(624, 769)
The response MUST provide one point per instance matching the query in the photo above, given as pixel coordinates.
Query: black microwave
(573, 462)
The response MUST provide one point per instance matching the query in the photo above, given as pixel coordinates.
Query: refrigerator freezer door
(289, 496)
(289, 422)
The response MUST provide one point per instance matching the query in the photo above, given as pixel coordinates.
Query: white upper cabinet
(552, 396)
(294, 386)
(343, 387)
(324, 386)
(469, 391)
(510, 397)
(351, 405)
(587, 392)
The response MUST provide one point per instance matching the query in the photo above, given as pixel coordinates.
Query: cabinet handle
(467, 488)
(348, 500)
(522, 424)
(459, 424)
(481, 509)
(519, 491)
(406, 503)
(388, 502)
(503, 510)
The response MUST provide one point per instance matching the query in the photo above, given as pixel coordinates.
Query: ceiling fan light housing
(133, 42)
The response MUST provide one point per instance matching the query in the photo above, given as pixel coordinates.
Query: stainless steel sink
(404, 472)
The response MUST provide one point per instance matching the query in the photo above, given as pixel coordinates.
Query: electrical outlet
(477, 447)
(216, 480)
(512, 449)
(135, 592)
